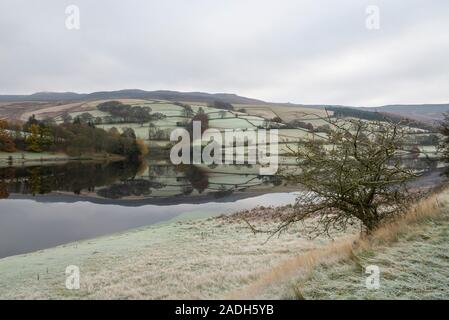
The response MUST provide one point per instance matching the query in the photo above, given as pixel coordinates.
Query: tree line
(73, 138)
(341, 112)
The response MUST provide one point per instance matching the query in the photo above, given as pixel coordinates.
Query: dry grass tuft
(426, 209)
(346, 249)
(299, 266)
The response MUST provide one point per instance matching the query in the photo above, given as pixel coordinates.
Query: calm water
(45, 206)
(27, 225)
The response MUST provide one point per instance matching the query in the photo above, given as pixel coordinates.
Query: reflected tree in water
(197, 177)
(6, 175)
(72, 177)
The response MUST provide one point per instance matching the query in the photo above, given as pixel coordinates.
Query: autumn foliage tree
(6, 140)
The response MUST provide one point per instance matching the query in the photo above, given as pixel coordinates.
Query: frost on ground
(415, 265)
(198, 259)
(220, 257)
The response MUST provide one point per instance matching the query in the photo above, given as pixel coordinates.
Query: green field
(242, 117)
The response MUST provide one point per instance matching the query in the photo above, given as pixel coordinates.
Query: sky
(348, 52)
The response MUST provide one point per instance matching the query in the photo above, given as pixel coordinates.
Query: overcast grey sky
(316, 51)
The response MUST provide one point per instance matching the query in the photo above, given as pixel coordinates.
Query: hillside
(423, 112)
(10, 105)
(163, 116)
(131, 94)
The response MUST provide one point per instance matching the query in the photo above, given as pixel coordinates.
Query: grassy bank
(411, 253)
(218, 258)
(412, 256)
(198, 259)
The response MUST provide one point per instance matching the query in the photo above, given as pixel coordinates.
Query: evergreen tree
(34, 140)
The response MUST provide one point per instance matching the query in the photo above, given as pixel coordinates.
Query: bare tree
(355, 174)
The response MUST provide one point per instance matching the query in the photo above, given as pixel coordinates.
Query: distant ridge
(428, 113)
(132, 94)
(423, 112)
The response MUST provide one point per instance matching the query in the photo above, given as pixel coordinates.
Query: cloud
(298, 51)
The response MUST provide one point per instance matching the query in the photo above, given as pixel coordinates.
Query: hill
(132, 94)
(423, 112)
(15, 106)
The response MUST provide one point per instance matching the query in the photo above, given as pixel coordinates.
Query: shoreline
(159, 201)
(24, 159)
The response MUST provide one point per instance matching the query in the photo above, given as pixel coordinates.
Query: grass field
(199, 259)
(253, 117)
(285, 112)
(412, 260)
(219, 119)
(218, 258)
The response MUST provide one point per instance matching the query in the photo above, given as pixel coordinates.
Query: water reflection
(71, 177)
(133, 181)
(157, 180)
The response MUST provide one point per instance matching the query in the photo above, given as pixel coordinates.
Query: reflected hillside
(154, 181)
(134, 181)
